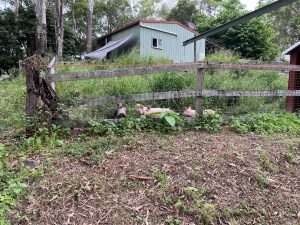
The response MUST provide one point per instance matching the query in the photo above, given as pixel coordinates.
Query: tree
(17, 15)
(184, 11)
(286, 21)
(164, 11)
(41, 33)
(116, 13)
(89, 33)
(58, 6)
(146, 9)
(255, 39)
(8, 40)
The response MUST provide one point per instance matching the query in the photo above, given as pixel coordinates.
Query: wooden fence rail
(185, 94)
(145, 70)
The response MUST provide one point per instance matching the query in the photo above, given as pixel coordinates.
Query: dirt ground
(190, 178)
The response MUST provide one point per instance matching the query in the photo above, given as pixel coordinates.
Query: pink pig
(121, 111)
(189, 112)
(147, 110)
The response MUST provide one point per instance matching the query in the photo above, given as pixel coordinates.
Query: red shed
(293, 103)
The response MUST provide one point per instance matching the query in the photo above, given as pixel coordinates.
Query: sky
(250, 4)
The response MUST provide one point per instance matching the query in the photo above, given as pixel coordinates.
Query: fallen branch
(133, 177)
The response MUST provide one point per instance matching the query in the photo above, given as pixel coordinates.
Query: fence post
(200, 83)
(51, 70)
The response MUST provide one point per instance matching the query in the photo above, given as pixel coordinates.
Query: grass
(93, 152)
(12, 104)
(175, 81)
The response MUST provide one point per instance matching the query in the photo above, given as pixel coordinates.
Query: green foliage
(171, 81)
(267, 162)
(192, 203)
(255, 39)
(268, 123)
(161, 176)
(134, 58)
(172, 221)
(170, 118)
(9, 41)
(261, 180)
(46, 138)
(209, 121)
(13, 181)
(12, 105)
(184, 11)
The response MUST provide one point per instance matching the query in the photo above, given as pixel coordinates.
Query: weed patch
(268, 123)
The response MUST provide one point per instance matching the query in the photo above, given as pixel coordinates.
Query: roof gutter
(243, 19)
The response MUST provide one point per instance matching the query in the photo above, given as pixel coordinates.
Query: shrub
(209, 121)
(268, 123)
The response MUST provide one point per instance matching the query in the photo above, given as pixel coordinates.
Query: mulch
(123, 189)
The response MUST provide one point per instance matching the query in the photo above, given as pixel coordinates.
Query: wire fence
(74, 93)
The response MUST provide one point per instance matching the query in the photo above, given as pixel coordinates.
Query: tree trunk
(59, 26)
(17, 5)
(89, 33)
(41, 39)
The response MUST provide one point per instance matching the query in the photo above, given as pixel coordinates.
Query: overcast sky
(250, 4)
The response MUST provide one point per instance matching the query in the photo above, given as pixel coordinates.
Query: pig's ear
(149, 107)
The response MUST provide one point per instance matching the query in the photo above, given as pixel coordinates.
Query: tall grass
(12, 93)
(12, 104)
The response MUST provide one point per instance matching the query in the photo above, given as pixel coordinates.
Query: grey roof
(102, 52)
(290, 49)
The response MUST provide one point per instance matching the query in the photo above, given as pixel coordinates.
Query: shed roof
(290, 49)
(148, 21)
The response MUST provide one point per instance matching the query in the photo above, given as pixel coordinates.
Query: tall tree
(255, 39)
(41, 27)
(58, 6)
(17, 15)
(146, 9)
(286, 21)
(116, 14)
(89, 33)
(184, 11)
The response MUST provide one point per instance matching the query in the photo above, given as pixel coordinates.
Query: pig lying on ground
(189, 112)
(121, 111)
(147, 110)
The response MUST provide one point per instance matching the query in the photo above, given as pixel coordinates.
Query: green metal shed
(153, 38)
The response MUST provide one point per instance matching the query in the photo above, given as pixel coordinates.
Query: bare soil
(190, 178)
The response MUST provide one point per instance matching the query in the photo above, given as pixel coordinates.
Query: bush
(268, 123)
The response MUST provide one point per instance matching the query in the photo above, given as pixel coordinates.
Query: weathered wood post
(33, 97)
(200, 84)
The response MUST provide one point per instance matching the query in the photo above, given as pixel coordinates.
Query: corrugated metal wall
(134, 41)
(173, 36)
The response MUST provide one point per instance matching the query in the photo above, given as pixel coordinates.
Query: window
(157, 43)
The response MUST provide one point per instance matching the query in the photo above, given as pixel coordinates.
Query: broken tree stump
(40, 94)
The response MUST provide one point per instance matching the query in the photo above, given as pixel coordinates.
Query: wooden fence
(53, 77)
(199, 93)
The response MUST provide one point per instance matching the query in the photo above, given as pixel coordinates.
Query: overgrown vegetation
(12, 122)
(268, 123)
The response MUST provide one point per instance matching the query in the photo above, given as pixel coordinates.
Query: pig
(147, 110)
(121, 111)
(189, 112)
